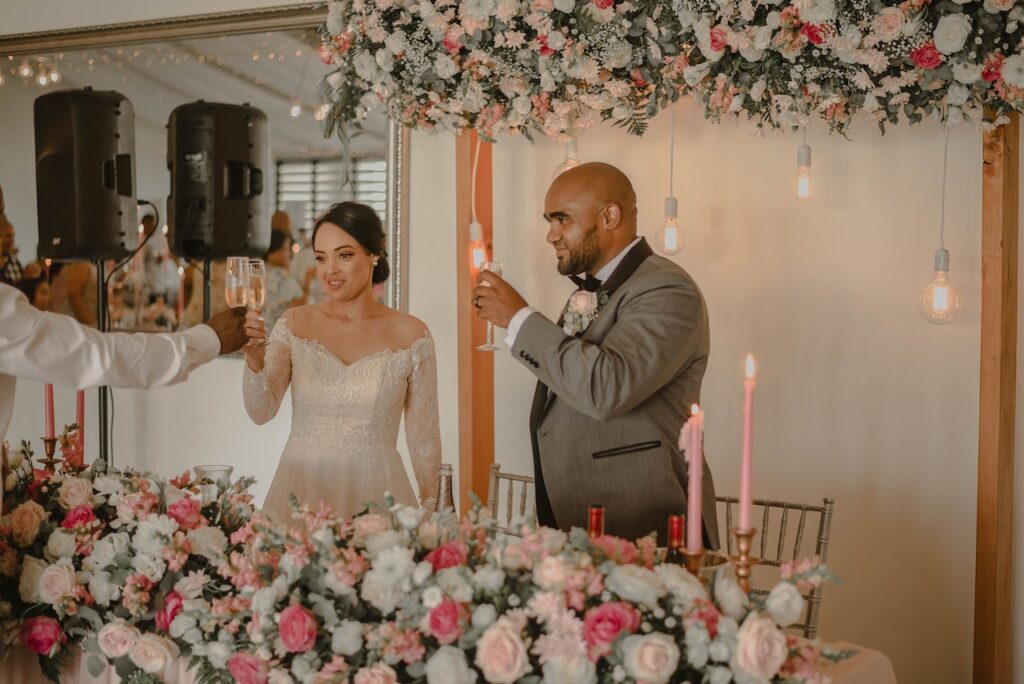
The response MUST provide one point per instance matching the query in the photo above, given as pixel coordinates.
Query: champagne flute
(236, 281)
(495, 268)
(258, 290)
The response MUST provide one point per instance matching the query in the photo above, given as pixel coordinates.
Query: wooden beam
(476, 369)
(993, 580)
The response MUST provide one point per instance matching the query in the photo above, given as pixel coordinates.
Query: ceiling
(272, 71)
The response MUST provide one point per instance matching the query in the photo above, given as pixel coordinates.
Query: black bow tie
(588, 284)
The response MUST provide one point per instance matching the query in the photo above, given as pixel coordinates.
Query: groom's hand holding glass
(495, 300)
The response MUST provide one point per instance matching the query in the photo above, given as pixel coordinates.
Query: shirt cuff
(517, 322)
(201, 345)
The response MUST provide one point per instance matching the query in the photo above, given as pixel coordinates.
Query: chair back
(514, 506)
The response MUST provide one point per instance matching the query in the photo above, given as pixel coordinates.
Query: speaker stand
(102, 324)
(206, 291)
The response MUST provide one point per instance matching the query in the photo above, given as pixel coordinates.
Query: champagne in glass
(495, 268)
(236, 281)
(258, 289)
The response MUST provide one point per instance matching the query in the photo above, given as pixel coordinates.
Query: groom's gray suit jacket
(610, 403)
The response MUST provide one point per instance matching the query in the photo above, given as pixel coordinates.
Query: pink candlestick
(746, 500)
(80, 416)
(695, 454)
(48, 391)
(179, 308)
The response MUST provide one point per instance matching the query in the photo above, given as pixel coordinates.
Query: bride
(353, 364)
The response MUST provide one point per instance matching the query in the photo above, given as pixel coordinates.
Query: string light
(669, 239)
(939, 302)
(25, 70)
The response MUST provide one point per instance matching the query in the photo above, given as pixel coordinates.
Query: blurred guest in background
(73, 291)
(37, 290)
(10, 267)
(283, 289)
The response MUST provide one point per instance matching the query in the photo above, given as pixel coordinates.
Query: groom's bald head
(592, 216)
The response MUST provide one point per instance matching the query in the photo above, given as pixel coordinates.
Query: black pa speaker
(218, 155)
(85, 175)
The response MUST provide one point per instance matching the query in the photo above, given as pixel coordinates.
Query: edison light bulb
(42, 79)
(803, 172)
(55, 76)
(25, 70)
(296, 110)
(572, 158)
(477, 248)
(669, 239)
(939, 303)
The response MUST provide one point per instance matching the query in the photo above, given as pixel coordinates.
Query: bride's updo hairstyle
(362, 223)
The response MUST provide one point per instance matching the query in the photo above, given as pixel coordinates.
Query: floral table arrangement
(138, 571)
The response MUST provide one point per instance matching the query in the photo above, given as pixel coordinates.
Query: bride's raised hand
(256, 331)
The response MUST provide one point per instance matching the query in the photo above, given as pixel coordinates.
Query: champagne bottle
(595, 521)
(676, 524)
(445, 497)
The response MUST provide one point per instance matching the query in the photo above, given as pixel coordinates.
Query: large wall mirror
(266, 58)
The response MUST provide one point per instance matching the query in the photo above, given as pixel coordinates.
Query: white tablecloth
(867, 667)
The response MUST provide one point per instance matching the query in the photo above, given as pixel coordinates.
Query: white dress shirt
(606, 271)
(57, 349)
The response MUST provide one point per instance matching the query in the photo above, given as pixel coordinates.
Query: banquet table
(866, 667)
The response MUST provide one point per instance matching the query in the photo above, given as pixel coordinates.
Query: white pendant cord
(942, 212)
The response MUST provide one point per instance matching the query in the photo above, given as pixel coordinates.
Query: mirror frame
(240, 22)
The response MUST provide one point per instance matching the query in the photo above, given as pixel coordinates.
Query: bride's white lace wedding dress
(345, 422)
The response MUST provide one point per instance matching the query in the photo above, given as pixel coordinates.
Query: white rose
(151, 567)
(695, 74)
(957, 94)
(651, 658)
(209, 542)
(452, 581)
(154, 533)
(684, 587)
(422, 572)
(116, 639)
(484, 615)
(173, 495)
(409, 517)
(432, 597)
(966, 72)
(1013, 70)
(264, 599)
(347, 638)
(785, 604)
(569, 671)
(396, 43)
(191, 585)
(448, 666)
(619, 55)
(61, 544)
(553, 541)
(551, 573)
(635, 584)
(107, 485)
(152, 653)
(445, 67)
(381, 590)
(566, 6)
(181, 625)
(28, 584)
(103, 592)
(730, 598)
(365, 67)
(218, 653)
(888, 24)
(385, 60)
(378, 543)
(74, 492)
(489, 579)
(57, 581)
(951, 33)
(501, 654)
(819, 12)
(760, 647)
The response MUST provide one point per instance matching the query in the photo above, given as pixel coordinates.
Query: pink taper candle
(48, 391)
(179, 307)
(80, 416)
(746, 500)
(694, 429)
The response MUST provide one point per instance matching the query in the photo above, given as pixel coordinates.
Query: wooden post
(476, 369)
(993, 580)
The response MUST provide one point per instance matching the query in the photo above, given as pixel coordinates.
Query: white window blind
(307, 188)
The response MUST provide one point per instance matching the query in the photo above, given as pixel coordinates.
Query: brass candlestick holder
(50, 446)
(743, 560)
(693, 561)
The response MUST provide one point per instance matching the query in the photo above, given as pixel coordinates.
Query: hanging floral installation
(556, 67)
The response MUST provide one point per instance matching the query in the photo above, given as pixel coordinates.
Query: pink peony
(604, 4)
(444, 621)
(326, 53)
(298, 628)
(42, 635)
(82, 515)
(449, 555)
(172, 606)
(926, 56)
(186, 512)
(378, 674)
(814, 33)
(247, 669)
(603, 624)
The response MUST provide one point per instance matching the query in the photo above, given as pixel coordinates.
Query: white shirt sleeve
(517, 322)
(57, 349)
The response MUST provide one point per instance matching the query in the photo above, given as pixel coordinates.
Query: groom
(617, 373)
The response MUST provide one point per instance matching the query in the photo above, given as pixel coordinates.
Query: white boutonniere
(581, 310)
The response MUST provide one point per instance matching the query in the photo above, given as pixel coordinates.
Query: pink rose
(116, 639)
(719, 39)
(378, 674)
(365, 526)
(888, 23)
(186, 512)
(814, 33)
(545, 51)
(760, 647)
(247, 669)
(326, 53)
(42, 635)
(57, 581)
(926, 56)
(603, 624)
(449, 555)
(172, 606)
(501, 654)
(75, 492)
(651, 658)
(81, 515)
(616, 548)
(604, 4)
(25, 521)
(993, 68)
(298, 628)
(445, 619)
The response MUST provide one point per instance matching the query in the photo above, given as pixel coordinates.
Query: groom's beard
(583, 256)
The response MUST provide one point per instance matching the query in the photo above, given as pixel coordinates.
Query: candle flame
(695, 409)
(751, 367)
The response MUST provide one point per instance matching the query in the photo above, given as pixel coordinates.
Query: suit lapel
(542, 398)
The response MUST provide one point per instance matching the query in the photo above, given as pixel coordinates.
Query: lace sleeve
(264, 391)
(422, 424)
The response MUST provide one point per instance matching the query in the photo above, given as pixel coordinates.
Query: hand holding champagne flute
(258, 292)
(489, 345)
